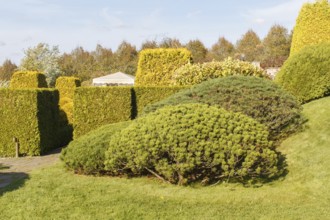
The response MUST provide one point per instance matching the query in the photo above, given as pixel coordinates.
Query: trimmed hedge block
(156, 67)
(31, 116)
(67, 85)
(97, 106)
(28, 80)
(148, 95)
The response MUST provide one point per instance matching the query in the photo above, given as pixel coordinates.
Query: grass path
(304, 193)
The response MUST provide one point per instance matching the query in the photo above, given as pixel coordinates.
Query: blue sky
(72, 23)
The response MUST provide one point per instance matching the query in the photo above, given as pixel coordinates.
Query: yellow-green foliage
(191, 74)
(157, 66)
(32, 117)
(312, 26)
(97, 106)
(66, 86)
(28, 80)
(306, 74)
(147, 95)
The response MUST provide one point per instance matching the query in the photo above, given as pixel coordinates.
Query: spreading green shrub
(86, 154)
(193, 142)
(28, 80)
(97, 106)
(191, 74)
(312, 26)
(258, 98)
(156, 66)
(307, 73)
(32, 117)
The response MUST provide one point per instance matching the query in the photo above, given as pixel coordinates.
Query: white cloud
(284, 13)
(113, 19)
(2, 44)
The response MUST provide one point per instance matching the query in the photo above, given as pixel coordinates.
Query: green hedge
(143, 96)
(312, 26)
(157, 66)
(97, 106)
(28, 80)
(32, 117)
(66, 86)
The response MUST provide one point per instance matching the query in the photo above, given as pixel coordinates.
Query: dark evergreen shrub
(258, 98)
(191, 143)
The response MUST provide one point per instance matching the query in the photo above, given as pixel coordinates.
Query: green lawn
(304, 193)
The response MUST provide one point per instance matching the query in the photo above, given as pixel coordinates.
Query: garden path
(12, 169)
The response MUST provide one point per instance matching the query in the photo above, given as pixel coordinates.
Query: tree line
(271, 51)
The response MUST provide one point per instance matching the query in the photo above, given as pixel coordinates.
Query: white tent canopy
(114, 79)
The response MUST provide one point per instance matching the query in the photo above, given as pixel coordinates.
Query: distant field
(304, 193)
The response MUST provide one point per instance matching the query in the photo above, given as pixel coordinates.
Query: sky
(72, 23)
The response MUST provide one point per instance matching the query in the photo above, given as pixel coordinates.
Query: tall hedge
(66, 86)
(157, 66)
(312, 26)
(143, 96)
(97, 106)
(28, 80)
(306, 74)
(31, 116)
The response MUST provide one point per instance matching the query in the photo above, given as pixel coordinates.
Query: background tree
(42, 58)
(149, 44)
(6, 70)
(221, 50)
(276, 46)
(79, 63)
(198, 50)
(104, 59)
(126, 58)
(168, 42)
(249, 46)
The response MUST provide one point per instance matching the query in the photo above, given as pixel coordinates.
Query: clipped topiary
(258, 98)
(312, 26)
(191, 143)
(307, 74)
(66, 86)
(28, 80)
(156, 66)
(85, 155)
(191, 74)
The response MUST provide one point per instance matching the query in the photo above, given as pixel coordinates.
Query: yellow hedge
(66, 86)
(312, 26)
(157, 66)
(28, 80)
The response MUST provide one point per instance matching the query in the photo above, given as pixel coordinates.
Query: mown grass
(304, 193)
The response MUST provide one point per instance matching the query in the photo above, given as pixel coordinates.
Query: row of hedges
(32, 117)
(97, 106)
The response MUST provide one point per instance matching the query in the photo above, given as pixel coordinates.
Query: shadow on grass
(10, 181)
